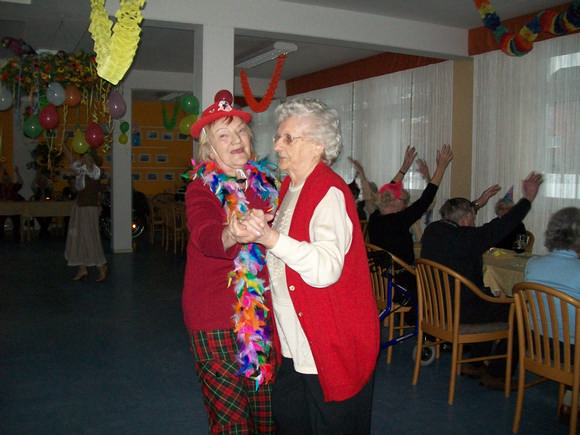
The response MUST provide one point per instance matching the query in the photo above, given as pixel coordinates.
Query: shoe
(473, 370)
(102, 273)
(81, 275)
(496, 383)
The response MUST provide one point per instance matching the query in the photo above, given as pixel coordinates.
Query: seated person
(42, 191)
(9, 192)
(560, 269)
(360, 205)
(389, 226)
(457, 243)
(501, 208)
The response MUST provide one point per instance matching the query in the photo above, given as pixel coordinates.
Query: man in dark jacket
(457, 243)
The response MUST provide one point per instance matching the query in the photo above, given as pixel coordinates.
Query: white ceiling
(63, 25)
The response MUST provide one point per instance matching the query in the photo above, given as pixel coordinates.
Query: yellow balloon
(123, 139)
(79, 143)
(186, 123)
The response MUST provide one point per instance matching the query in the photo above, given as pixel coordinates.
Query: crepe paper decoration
(265, 102)
(522, 43)
(115, 45)
(250, 312)
(169, 124)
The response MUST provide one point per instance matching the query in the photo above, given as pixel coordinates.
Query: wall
(161, 156)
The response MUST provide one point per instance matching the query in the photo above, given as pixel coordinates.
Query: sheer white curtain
(527, 117)
(408, 108)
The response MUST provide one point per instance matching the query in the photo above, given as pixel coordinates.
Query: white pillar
(217, 66)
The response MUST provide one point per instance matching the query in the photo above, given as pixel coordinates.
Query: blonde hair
(205, 148)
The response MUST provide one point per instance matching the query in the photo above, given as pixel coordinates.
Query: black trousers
(299, 408)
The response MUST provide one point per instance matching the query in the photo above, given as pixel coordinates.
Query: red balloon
(72, 96)
(94, 135)
(48, 117)
(224, 94)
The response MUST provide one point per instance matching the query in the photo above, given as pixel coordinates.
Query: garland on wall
(265, 102)
(522, 42)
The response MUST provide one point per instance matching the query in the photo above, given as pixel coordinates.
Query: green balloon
(189, 104)
(124, 127)
(32, 127)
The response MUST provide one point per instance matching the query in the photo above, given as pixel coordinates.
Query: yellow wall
(167, 159)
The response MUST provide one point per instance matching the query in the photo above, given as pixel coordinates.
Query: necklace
(250, 313)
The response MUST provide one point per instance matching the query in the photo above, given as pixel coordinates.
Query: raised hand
(531, 185)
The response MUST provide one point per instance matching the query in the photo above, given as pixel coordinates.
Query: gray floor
(88, 358)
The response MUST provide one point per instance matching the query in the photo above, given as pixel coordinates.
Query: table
(503, 268)
(31, 209)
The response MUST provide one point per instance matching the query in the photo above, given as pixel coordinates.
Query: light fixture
(280, 48)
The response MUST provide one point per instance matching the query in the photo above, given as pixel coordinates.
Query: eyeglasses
(286, 138)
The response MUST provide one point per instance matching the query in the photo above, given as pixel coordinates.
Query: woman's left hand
(256, 223)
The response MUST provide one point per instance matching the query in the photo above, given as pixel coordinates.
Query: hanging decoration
(522, 43)
(265, 102)
(169, 124)
(115, 45)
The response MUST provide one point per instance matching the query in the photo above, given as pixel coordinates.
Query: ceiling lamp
(280, 49)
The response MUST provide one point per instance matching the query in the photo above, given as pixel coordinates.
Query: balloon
(94, 135)
(189, 104)
(32, 127)
(123, 139)
(55, 93)
(72, 96)
(116, 105)
(124, 127)
(5, 98)
(136, 138)
(224, 94)
(48, 117)
(186, 123)
(79, 144)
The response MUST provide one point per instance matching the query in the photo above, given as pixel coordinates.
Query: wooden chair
(379, 265)
(156, 220)
(548, 323)
(365, 230)
(175, 227)
(531, 240)
(439, 289)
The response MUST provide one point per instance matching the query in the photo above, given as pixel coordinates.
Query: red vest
(340, 321)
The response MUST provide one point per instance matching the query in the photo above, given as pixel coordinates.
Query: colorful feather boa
(253, 334)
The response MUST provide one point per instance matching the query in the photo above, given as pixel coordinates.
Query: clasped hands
(252, 227)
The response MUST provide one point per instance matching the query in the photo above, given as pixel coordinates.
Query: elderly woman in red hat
(224, 302)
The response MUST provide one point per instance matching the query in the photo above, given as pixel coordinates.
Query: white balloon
(5, 98)
(55, 94)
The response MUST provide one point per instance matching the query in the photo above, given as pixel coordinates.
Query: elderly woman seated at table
(502, 207)
(560, 269)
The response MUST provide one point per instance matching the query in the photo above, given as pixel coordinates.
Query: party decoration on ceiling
(79, 143)
(265, 102)
(522, 43)
(115, 48)
(32, 127)
(55, 94)
(94, 135)
(72, 96)
(18, 46)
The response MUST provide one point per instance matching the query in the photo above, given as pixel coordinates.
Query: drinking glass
(520, 243)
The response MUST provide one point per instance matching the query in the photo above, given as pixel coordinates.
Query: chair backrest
(439, 293)
(531, 240)
(380, 263)
(548, 323)
(364, 224)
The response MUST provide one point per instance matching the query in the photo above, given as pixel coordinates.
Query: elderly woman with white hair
(324, 307)
(560, 269)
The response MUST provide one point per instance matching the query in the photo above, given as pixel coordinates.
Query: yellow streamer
(116, 48)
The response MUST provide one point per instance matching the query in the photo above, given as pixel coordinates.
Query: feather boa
(253, 334)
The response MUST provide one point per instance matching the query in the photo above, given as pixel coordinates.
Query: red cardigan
(340, 321)
(207, 301)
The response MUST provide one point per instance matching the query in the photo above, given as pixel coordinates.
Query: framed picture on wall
(136, 176)
(50, 134)
(152, 135)
(107, 157)
(161, 158)
(168, 176)
(69, 134)
(152, 176)
(144, 158)
(183, 137)
(167, 136)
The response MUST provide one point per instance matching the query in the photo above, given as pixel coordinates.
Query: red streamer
(265, 102)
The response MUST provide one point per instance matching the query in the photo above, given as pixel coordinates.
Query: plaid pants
(232, 403)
